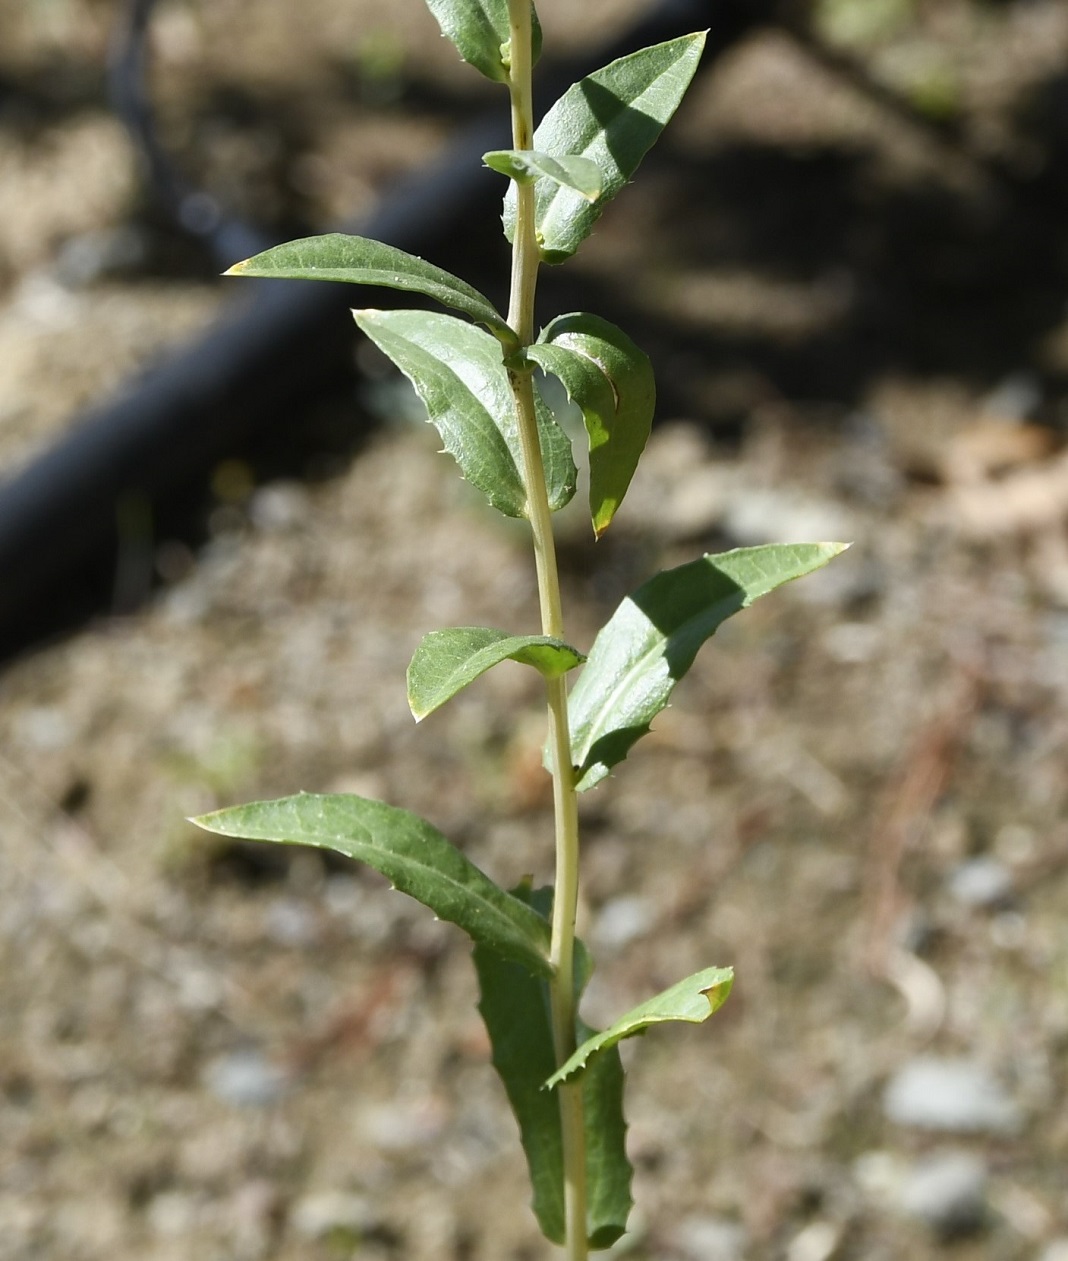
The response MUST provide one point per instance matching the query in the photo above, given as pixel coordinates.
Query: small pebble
(172, 1214)
(981, 883)
(955, 1095)
(880, 1175)
(710, 1239)
(947, 1192)
(622, 920)
(403, 1127)
(94, 256)
(818, 1241)
(1015, 397)
(45, 727)
(322, 1212)
(279, 507)
(853, 643)
(245, 1079)
(289, 922)
(765, 515)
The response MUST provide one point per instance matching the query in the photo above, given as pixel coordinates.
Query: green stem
(525, 261)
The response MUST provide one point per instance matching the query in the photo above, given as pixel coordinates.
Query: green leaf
(613, 118)
(448, 660)
(480, 31)
(653, 637)
(458, 372)
(406, 850)
(692, 1000)
(358, 260)
(515, 1008)
(611, 381)
(527, 165)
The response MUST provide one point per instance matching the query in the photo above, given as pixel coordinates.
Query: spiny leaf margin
(611, 381)
(480, 31)
(359, 260)
(458, 372)
(515, 1009)
(692, 1000)
(408, 851)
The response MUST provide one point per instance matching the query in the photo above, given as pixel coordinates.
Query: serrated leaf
(613, 118)
(692, 1000)
(611, 381)
(480, 31)
(653, 637)
(409, 852)
(358, 260)
(515, 1008)
(527, 165)
(448, 660)
(458, 372)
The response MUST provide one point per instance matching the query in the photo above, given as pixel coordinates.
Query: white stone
(955, 1095)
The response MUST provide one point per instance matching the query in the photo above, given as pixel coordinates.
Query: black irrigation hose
(272, 349)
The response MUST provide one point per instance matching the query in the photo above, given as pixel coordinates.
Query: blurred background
(224, 527)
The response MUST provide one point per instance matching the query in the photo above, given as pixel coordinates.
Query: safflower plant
(475, 371)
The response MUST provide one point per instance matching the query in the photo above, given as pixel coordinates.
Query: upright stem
(565, 807)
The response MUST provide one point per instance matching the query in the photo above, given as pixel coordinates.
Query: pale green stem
(565, 807)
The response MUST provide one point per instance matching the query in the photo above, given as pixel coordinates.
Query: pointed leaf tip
(654, 636)
(691, 1001)
(612, 118)
(344, 259)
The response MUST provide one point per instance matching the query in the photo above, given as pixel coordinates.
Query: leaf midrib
(613, 173)
(332, 840)
(656, 649)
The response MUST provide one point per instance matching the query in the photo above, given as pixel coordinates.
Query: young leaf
(653, 637)
(611, 380)
(527, 165)
(480, 31)
(457, 371)
(448, 660)
(357, 260)
(693, 1000)
(515, 1008)
(409, 852)
(613, 117)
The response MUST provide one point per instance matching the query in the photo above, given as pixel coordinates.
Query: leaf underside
(458, 372)
(692, 1000)
(651, 641)
(479, 30)
(611, 381)
(448, 660)
(527, 165)
(410, 853)
(358, 260)
(612, 118)
(515, 1008)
